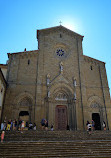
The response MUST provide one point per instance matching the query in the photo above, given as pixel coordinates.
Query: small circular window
(60, 52)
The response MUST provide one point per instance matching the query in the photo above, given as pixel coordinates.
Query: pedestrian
(22, 126)
(34, 127)
(2, 126)
(104, 125)
(2, 136)
(19, 124)
(93, 125)
(43, 123)
(5, 124)
(89, 126)
(52, 127)
(27, 124)
(30, 126)
(46, 125)
(9, 125)
(15, 126)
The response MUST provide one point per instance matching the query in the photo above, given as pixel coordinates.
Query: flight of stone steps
(76, 144)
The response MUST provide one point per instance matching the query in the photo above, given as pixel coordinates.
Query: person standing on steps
(2, 126)
(104, 125)
(43, 124)
(2, 136)
(93, 125)
(9, 124)
(5, 123)
(46, 125)
(15, 125)
(11, 127)
(89, 126)
(19, 124)
(52, 128)
(34, 127)
(22, 126)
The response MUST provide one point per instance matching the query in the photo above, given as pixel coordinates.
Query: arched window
(28, 62)
(91, 67)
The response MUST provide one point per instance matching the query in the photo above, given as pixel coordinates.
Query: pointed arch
(96, 101)
(23, 104)
(25, 98)
(61, 88)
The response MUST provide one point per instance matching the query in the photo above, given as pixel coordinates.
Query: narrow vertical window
(28, 62)
(1, 90)
(91, 67)
(60, 35)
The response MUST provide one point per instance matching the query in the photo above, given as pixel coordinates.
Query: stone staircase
(76, 144)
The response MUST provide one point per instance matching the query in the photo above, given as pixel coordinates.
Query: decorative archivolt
(25, 102)
(61, 86)
(24, 99)
(61, 96)
(61, 92)
(95, 102)
(95, 105)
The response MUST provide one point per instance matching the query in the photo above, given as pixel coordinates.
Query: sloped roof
(53, 29)
(24, 52)
(3, 66)
(93, 59)
(2, 78)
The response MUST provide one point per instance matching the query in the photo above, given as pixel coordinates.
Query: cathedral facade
(57, 82)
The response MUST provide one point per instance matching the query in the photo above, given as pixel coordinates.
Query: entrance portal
(96, 119)
(24, 115)
(61, 117)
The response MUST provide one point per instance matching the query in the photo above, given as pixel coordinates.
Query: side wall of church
(2, 91)
(22, 81)
(96, 97)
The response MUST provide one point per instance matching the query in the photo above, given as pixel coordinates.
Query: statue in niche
(74, 95)
(74, 82)
(48, 79)
(61, 67)
(48, 94)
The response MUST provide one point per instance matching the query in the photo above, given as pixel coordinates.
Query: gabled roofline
(3, 65)
(51, 28)
(94, 59)
(3, 78)
(22, 52)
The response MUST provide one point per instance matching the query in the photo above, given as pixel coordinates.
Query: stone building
(3, 72)
(57, 82)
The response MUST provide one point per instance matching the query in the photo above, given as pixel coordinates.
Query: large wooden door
(61, 117)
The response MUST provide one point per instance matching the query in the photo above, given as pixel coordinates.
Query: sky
(20, 19)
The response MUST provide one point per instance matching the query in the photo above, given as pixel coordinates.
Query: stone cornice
(3, 66)
(60, 28)
(25, 53)
(92, 60)
(2, 78)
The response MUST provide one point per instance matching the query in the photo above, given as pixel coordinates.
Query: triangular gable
(60, 78)
(62, 28)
